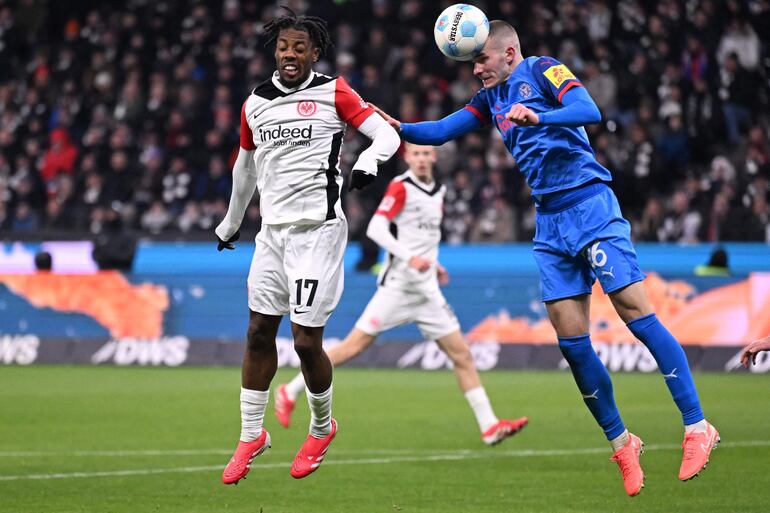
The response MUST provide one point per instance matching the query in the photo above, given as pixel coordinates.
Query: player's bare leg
(286, 395)
(700, 438)
(631, 302)
(570, 319)
(260, 361)
(456, 348)
(315, 364)
(493, 430)
(317, 370)
(570, 316)
(354, 344)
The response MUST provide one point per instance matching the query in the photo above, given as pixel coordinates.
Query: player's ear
(316, 54)
(510, 55)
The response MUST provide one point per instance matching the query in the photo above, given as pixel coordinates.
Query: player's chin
(490, 82)
(291, 79)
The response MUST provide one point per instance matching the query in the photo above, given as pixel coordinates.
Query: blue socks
(672, 363)
(594, 383)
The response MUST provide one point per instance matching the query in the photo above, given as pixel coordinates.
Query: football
(461, 31)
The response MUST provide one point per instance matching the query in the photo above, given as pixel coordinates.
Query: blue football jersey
(552, 158)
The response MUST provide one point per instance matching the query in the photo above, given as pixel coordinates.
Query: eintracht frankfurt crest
(306, 108)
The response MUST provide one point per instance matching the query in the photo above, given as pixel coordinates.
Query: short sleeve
(247, 136)
(479, 106)
(351, 108)
(393, 201)
(554, 77)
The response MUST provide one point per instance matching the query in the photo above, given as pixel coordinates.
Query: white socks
(477, 398)
(296, 386)
(699, 427)
(620, 441)
(320, 412)
(253, 404)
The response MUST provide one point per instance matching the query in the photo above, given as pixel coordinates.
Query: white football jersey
(415, 210)
(296, 135)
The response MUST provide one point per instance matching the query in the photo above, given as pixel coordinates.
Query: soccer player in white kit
(292, 127)
(408, 291)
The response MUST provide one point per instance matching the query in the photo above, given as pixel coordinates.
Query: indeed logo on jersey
(281, 135)
(429, 224)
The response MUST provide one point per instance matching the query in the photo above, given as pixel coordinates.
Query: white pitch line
(122, 454)
(452, 456)
(184, 452)
(202, 452)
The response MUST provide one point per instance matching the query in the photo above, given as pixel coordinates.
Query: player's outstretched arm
(578, 109)
(244, 185)
(750, 351)
(396, 124)
(385, 143)
(434, 133)
(379, 231)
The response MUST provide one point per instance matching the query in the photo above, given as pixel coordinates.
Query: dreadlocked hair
(313, 25)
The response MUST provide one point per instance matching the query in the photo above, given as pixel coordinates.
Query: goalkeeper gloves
(228, 244)
(360, 179)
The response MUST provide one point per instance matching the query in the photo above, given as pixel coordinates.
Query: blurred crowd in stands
(124, 116)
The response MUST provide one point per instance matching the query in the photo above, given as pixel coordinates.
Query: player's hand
(229, 243)
(419, 263)
(750, 351)
(522, 116)
(360, 179)
(443, 275)
(389, 119)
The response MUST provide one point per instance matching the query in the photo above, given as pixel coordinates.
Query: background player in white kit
(408, 291)
(292, 127)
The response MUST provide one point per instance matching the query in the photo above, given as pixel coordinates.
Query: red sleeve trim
(359, 118)
(351, 108)
(247, 136)
(476, 113)
(393, 201)
(567, 88)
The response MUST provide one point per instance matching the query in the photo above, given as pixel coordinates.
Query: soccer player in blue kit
(539, 107)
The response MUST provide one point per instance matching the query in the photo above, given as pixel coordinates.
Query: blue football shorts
(581, 236)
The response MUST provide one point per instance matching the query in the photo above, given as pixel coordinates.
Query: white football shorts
(298, 270)
(390, 308)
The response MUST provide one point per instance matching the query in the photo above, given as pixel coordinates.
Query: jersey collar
(427, 187)
(277, 83)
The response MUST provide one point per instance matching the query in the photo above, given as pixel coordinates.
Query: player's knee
(306, 345)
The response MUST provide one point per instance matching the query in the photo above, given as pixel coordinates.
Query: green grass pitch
(77, 439)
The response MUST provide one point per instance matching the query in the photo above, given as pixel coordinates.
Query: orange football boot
(312, 453)
(240, 464)
(284, 406)
(696, 449)
(627, 458)
(503, 429)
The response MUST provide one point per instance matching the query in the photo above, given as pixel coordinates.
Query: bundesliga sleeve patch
(558, 74)
(387, 203)
(351, 108)
(394, 200)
